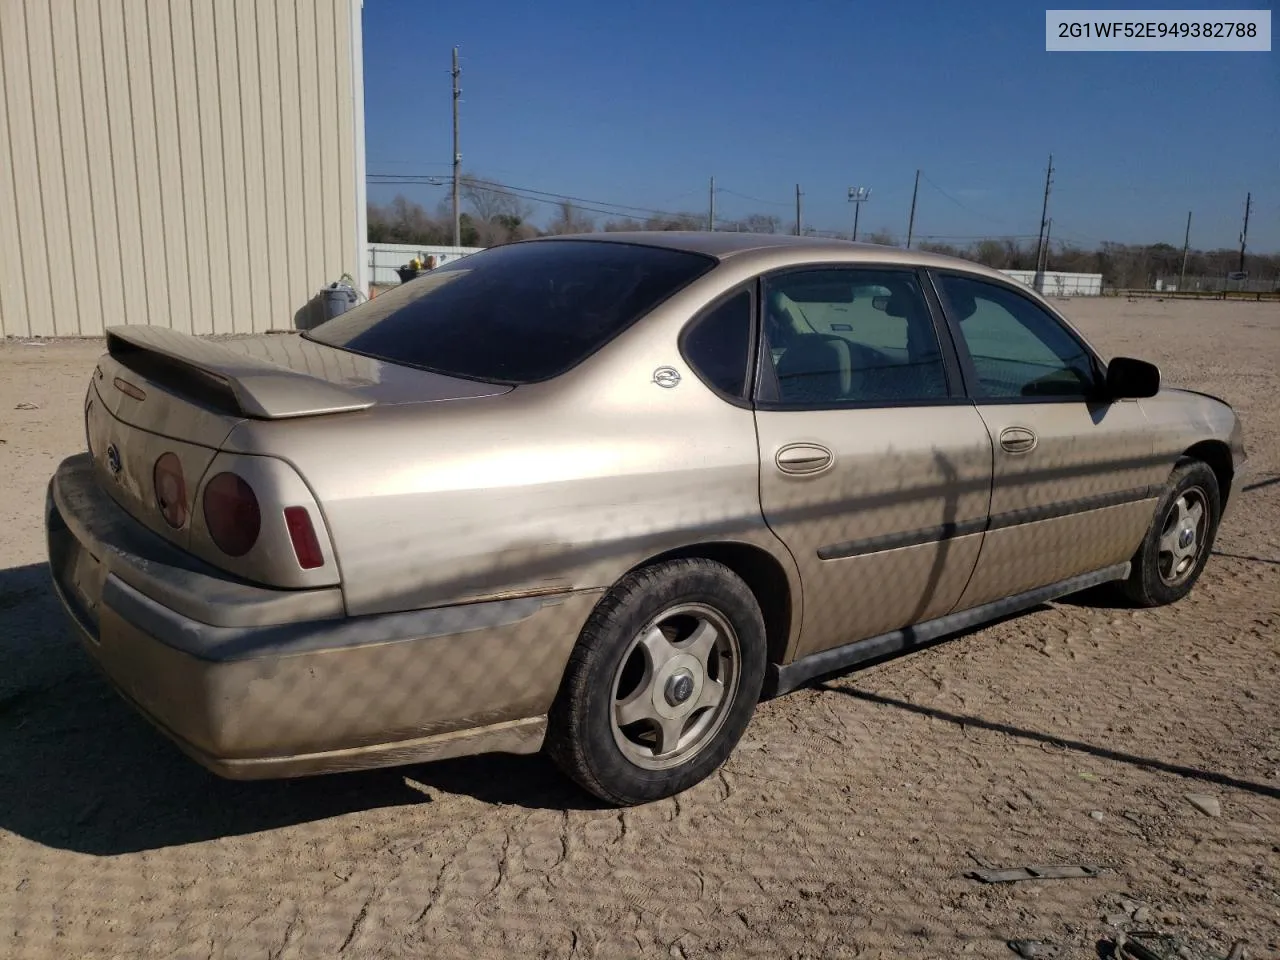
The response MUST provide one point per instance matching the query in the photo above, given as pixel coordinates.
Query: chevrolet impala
(598, 495)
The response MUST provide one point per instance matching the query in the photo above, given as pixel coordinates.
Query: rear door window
(520, 313)
(842, 336)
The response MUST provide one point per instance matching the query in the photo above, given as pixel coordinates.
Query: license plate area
(79, 574)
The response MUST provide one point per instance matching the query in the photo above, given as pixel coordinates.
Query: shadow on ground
(1105, 753)
(84, 772)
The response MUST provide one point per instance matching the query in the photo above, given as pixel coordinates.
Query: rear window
(518, 313)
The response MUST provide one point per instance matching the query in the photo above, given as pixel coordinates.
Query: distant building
(1061, 284)
(385, 257)
(195, 165)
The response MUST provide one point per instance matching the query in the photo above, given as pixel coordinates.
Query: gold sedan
(599, 494)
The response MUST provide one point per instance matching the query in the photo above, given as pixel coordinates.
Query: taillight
(306, 547)
(170, 490)
(231, 514)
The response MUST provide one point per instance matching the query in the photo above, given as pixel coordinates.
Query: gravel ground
(843, 826)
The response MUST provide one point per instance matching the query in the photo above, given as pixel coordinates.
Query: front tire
(662, 683)
(1177, 545)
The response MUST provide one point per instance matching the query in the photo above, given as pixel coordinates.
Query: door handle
(804, 458)
(1017, 439)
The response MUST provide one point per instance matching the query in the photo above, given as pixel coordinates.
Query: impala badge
(113, 460)
(666, 377)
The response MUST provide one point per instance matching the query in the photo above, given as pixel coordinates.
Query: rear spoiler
(227, 380)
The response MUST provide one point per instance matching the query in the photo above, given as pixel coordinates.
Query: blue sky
(640, 102)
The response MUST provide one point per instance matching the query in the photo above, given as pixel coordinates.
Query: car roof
(773, 249)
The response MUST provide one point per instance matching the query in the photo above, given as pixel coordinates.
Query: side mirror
(1129, 379)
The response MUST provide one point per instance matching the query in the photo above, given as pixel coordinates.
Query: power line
(418, 163)
(526, 193)
(976, 236)
(744, 196)
(962, 206)
(682, 196)
(586, 204)
(1079, 236)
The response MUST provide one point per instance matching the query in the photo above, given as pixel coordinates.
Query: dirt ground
(843, 826)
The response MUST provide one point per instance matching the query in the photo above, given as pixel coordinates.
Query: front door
(875, 471)
(1075, 479)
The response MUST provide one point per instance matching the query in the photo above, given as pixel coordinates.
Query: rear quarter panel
(552, 487)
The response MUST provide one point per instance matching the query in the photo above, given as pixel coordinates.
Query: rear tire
(1177, 545)
(662, 683)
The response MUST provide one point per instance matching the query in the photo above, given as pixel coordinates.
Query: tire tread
(1143, 587)
(567, 733)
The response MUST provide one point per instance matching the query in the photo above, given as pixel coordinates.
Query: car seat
(921, 377)
(815, 369)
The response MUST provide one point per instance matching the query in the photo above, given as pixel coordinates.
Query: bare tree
(946, 249)
(761, 223)
(569, 220)
(676, 221)
(404, 221)
(753, 223)
(491, 201)
(883, 237)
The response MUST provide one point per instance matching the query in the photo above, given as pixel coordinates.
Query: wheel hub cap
(679, 681)
(1180, 543)
(675, 685)
(679, 687)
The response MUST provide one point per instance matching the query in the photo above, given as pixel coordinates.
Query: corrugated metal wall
(196, 164)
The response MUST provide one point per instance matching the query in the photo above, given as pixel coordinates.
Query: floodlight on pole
(858, 196)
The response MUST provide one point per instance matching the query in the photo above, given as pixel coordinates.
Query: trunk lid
(159, 391)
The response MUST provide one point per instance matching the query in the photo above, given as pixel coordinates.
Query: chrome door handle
(804, 458)
(1017, 440)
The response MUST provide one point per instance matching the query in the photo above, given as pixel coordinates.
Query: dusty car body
(436, 544)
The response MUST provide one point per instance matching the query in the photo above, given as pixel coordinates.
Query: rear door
(875, 470)
(1074, 474)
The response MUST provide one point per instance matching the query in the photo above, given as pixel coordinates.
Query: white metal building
(194, 164)
(1057, 284)
(385, 257)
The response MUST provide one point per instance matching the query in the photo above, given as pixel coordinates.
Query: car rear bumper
(257, 683)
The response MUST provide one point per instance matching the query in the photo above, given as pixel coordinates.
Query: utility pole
(1186, 249)
(798, 195)
(1244, 233)
(1044, 223)
(457, 156)
(911, 222)
(711, 207)
(858, 196)
(1048, 228)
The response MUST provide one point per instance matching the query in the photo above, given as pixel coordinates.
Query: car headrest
(815, 367)
(905, 303)
(962, 304)
(899, 305)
